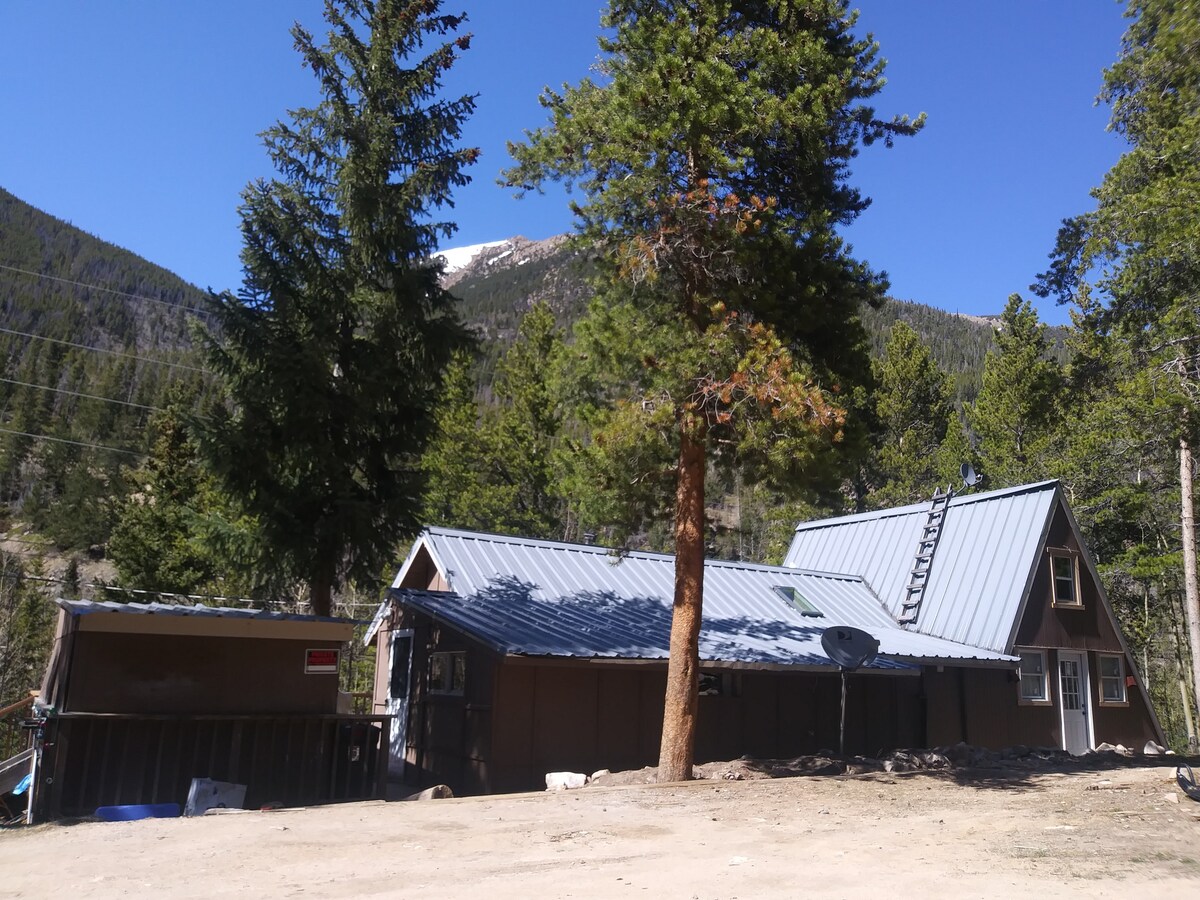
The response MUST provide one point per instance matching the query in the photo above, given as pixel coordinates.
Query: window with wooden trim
(1112, 678)
(1064, 578)
(447, 672)
(1035, 683)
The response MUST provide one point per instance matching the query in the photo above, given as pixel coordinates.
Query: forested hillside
(500, 284)
(93, 338)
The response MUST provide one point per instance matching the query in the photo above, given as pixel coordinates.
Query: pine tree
(176, 532)
(333, 350)
(714, 157)
(915, 410)
(1017, 410)
(529, 425)
(1133, 263)
(460, 461)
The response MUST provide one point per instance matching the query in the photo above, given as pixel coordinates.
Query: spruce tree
(714, 155)
(1017, 410)
(917, 415)
(332, 351)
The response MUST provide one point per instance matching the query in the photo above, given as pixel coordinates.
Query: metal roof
(541, 598)
(86, 607)
(979, 574)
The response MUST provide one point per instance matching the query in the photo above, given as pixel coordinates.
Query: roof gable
(980, 573)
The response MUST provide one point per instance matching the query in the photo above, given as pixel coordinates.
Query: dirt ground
(1120, 832)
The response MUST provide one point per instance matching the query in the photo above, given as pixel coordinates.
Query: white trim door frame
(398, 691)
(1075, 702)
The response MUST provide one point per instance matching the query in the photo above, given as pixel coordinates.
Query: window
(1064, 576)
(798, 600)
(447, 672)
(720, 684)
(1112, 678)
(1034, 684)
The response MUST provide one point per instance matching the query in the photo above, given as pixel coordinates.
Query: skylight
(798, 600)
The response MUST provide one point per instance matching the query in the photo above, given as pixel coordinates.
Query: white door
(399, 678)
(1073, 698)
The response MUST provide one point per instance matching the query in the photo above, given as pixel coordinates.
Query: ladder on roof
(918, 578)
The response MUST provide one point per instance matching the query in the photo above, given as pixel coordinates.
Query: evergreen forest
(161, 442)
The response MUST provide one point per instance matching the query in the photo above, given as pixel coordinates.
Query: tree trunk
(320, 595)
(678, 747)
(1191, 598)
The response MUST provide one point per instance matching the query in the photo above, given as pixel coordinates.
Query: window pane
(1032, 687)
(1031, 664)
(1114, 690)
(459, 676)
(437, 672)
(1110, 666)
(1064, 579)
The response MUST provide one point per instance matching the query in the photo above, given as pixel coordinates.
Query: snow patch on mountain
(460, 257)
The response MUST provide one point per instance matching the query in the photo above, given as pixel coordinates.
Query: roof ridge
(649, 555)
(923, 506)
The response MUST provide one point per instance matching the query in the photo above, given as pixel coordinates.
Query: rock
(1153, 749)
(565, 781)
(1106, 747)
(1171, 798)
(437, 792)
(599, 774)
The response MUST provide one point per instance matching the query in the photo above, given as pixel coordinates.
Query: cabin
(141, 698)
(500, 658)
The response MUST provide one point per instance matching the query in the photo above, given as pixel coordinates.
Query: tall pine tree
(1017, 410)
(714, 158)
(922, 442)
(1133, 263)
(332, 352)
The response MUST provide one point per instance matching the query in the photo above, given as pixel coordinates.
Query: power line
(42, 387)
(96, 287)
(46, 437)
(146, 359)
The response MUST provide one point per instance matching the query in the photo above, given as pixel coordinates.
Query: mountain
(497, 281)
(92, 339)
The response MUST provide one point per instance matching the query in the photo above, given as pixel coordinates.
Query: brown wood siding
(149, 674)
(582, 717)
(1047, 626)
(995, 718)
(449, 736)
(1131, 724)
(423, 575)
(989, 700)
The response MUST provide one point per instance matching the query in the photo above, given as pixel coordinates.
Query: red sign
(321, 662)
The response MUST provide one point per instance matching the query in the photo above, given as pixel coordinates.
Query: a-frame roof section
(980, 573)
(542, 598)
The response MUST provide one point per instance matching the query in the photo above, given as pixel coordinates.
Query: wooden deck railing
(94, 760)
(14, 738)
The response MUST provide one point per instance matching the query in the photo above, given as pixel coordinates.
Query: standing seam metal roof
(989, 545)
(541, 598)
(86, 607)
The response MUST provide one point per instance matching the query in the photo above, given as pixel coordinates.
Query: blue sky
(137, 120)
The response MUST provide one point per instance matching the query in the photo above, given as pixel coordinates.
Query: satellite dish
(969, 477)
(849, 647)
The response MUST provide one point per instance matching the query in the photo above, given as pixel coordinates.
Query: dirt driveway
(1098, 834)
